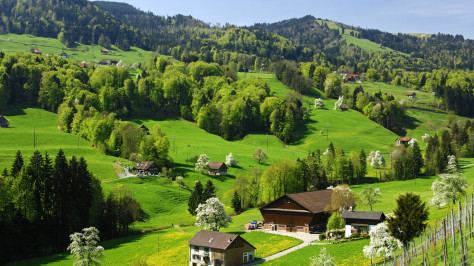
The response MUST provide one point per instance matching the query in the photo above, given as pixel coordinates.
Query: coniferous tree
(236, 203)
(17, 164)
(209, 191)
(35, 171)
(5, 172)
(417, 158)
(195, 198)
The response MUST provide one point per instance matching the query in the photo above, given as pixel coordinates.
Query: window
(196, 248)
(206, 249)
(299, 227)
(281, 226)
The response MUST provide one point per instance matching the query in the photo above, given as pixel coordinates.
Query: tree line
(45, 200)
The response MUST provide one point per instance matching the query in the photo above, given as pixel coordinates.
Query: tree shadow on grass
(408, 122)
(303, 131)
(15, 110)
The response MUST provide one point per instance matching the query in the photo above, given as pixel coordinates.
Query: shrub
(322, 237)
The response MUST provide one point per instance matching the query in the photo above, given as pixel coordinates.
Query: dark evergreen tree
(236, 203)
(195, 198)
(362, 165)
(417, 158)
(17, 164)
(209, 191)
(35, 172)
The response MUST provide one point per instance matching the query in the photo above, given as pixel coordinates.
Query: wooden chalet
(108, 62)
(38, 52)
(217, 168)
(3, 121)
(411, 94)
(403, 140)
(219, 249)
(145, 129)
(147, 168)
(63, 55)
(361, 221)
(352, 77)
(104, 51)
(343, 107)
(298, 212)
(83, 64)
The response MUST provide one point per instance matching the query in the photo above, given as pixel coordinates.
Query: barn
(298, 212)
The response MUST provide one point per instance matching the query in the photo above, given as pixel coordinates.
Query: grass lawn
(348, 253)
(173, 248)
(19, 136)
(11, 43)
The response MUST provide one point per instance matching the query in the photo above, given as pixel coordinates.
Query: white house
(361, 221)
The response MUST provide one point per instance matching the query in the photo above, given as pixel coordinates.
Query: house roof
(104, 50)
(108, 61)
(145, 165)
(313, 201)
(343, 106)
(352, 76)
(404, 139)
(3, 120)
(213, 239)
(363, 215)
(37, 51)
(144, 127)
(411, 93)
(217, 165)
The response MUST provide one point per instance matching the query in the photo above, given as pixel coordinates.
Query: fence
(445, 243)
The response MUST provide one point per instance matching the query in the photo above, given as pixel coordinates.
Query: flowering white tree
(377, 161)
(448, 189)
(230, 160)
(425, 137)
(412, 142)
(326, 152)
(319, 103)
(324, 259)
(212, 215)
(202, 163)
(452, 164)
(84, 247)
(338, 103)
(381, 242)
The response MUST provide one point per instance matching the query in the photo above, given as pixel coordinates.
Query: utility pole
(267, 141)
(34, 138)
(327, 131)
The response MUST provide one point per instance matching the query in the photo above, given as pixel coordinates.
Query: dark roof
(144, 127)
(213, 239)
(145, 165)
(363, 215)
(3, 120)
(313, 201)
(343, 106)
(217, 165)
(411, 93)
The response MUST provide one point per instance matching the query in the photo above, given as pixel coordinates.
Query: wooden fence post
(453, 236)
(445, 244)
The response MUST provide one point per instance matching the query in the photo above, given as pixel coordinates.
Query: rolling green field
(20, 135)
(10, 43)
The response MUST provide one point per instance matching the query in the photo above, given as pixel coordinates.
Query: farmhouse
(214, 248)
(361, 221)
(108, 62)
(403, 140)
(298, 212)
(83, 64)
(38, 52)
(145, 129)
(352, 77)
(411, 94)
(104, 51)
(64, 55)
(147, 168)
(343, 107)
(3, 121)
(217, 168)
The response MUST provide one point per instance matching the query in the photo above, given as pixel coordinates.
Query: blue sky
(415, 16)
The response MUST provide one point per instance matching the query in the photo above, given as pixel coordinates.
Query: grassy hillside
(19, 136)
(10, 43)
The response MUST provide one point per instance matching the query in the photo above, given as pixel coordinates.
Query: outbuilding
(411, 94)
(147, 168)
(402, 140)
(217, 168)
(298, 212)
(219, 249)
(64, 55)
(361, 221)
(3, 121)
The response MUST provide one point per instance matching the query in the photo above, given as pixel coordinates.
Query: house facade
(147, 168)
(219, 249)
(217, 168)
(3, 121)
(298, 212)
(361, 221)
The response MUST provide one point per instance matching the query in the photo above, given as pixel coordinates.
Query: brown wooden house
(343, 107)
(38, 52)
(3, 121)
(403, 140)
(104, 51)
(217, 168)
(361, 221)
(352, 77)
(411, 94)
(147, 168)
(219, 249)
(298, 212)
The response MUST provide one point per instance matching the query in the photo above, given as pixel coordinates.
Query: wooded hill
(189, 39)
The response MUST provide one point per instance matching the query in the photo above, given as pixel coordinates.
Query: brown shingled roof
(217, 165)
(145, 165)
(411, 93)
(213, 239)
(313, 201)
(403, 139)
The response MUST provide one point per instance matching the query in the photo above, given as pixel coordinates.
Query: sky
(405, 16)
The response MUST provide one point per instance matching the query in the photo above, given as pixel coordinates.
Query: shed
(104, 51)
(352, 77)
(403, 140)
(145, 129)
(64, 55)
(215, 248)
(3, 121)
(147, 168)
(108, 62)
(38, 52)
(217, 168)
(298, 212)
(361, 221)
(411, 94)
(343, 107)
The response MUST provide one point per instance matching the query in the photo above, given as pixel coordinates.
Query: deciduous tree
(212, 215)
(371, 196)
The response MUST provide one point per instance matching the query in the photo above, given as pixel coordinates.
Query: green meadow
(10, 43)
